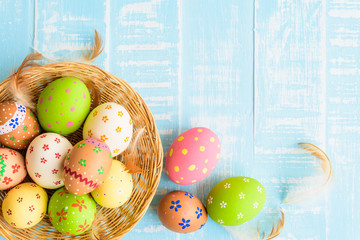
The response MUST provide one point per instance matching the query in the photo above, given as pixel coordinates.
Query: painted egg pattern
(192, 156)
(12, 168)
(110, 123)
(71, 214)
(86, 166)
(116, 188)
(235, 200)
(45, 159)
(63, 105)
(25, 205)
(18, 125)
(181, 212)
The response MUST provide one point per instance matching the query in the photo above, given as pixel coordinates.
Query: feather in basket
(144, 157)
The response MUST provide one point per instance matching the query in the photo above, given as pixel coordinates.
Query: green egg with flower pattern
(71, 214)
(235, 200)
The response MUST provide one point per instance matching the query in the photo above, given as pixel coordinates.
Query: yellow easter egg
(25, 205)
(116, 189)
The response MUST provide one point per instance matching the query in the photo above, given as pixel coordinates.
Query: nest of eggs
(147, 154)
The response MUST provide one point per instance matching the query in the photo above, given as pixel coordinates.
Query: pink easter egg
(192, 156)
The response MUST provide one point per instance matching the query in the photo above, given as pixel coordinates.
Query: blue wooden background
(263, 74)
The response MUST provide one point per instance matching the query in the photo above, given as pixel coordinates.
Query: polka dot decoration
(63, 105)
(192, 156)
(71, 214)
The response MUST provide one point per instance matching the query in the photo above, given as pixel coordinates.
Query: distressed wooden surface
(263, 74)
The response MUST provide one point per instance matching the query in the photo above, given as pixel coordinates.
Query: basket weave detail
(104, 87)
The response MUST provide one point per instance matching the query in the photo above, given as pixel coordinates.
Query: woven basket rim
(51, 72)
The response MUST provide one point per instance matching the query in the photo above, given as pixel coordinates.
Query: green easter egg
(235, 200)
(71, 214)
(63, 105)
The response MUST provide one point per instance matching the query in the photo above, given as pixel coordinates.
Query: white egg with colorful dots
(112, 124)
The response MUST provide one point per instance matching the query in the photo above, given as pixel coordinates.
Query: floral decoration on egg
(71, 214)
(235, 200)
(181, 212)
(110, 123)
(86, 166)
(12, 168)
(18, 125)
(63, 105)
(192, 156)
(25, 205)
(45, 159)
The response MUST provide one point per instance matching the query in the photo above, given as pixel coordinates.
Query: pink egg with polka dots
(192, 156)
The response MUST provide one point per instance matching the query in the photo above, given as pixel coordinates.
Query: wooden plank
(217, 84)
(290, 106)
(212, 78)
(192, 62)
(343, 116)
(16, 34)
(63, 29)
(144, 51)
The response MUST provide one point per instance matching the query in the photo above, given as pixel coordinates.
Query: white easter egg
(45, 159)
(112, 124)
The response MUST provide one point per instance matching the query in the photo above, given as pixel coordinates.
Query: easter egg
(25, 205)
(63, 105)
(71, 214)
(181, 212)
(110, 123)
(235, 200)
(45, 159)
(86, 166)
(116, 188)
(12, 168)
(192, 156)
(18, 125)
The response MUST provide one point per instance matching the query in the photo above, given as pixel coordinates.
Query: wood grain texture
(343, 116)
(290, 105)
(63, 29)
(263, 74)
(16, 29)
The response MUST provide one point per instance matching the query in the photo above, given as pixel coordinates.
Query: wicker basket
(104, 87)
